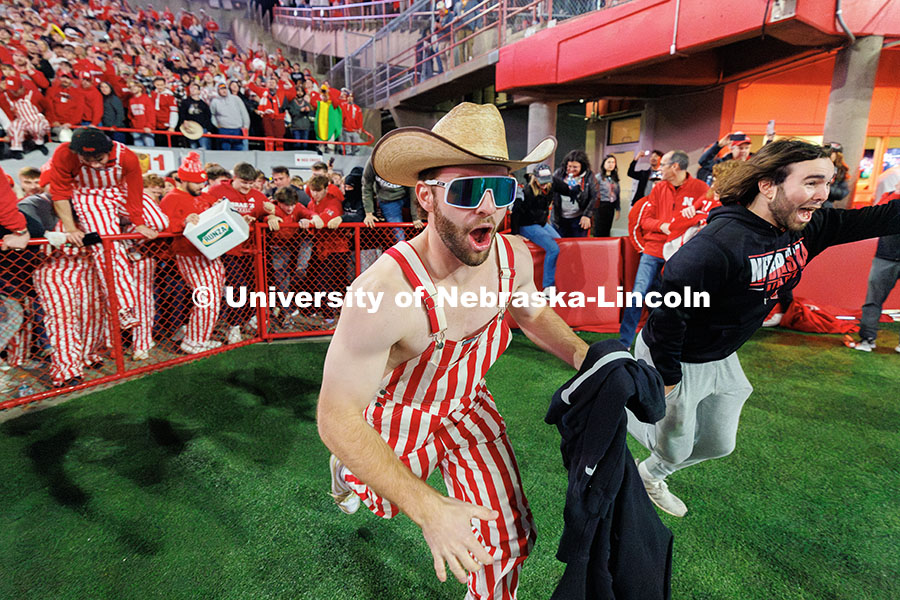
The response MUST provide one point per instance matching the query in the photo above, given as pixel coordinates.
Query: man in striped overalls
(101, 178)
(26, 115)
(417, 400)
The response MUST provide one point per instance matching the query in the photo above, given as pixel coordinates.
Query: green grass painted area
(209, 481)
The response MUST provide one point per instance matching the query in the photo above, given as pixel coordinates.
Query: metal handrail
(252, 138)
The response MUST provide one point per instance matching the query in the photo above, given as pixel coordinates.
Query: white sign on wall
(305, 160)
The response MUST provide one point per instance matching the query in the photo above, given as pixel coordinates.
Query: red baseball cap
(12, 83)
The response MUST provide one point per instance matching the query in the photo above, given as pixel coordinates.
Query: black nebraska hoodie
(743, 262)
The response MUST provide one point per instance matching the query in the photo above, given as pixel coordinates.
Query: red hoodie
(662, 205)
(141, 112)
(177, 205)
(66, 105)
(251, 204)
(10, 217)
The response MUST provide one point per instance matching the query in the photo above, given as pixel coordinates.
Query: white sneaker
(773, 321)
(234, 335)
(198, 348)
(143, 354)
(660, 495)
(864, 345)
(897, 349)
(179, 334)
(346, 498)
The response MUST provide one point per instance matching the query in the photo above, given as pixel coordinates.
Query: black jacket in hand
(613, 542)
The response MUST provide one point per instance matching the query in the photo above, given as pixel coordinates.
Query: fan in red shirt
(24, 70)
(183, 205)
(142, 115)
(65, 102)
(165, 105)
(283, 247)
(332, 246)
(26, 110)
(353, 120)
(271, 101)
(238, 261)
(93, 101)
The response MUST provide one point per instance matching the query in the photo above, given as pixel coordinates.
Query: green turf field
(209, 481)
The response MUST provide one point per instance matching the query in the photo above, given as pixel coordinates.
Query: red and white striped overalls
(29, 121)
(435, 411)
(68, 287)
(143, 268)
(98, 198)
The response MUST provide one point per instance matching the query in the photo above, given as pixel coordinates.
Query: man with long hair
(755, 246)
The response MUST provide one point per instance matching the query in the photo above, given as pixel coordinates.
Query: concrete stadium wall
(167, 159)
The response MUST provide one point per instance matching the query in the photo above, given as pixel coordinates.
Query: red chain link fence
(60, 331)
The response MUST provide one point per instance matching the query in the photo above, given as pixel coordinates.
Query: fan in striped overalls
(100, 178)
(416, 400)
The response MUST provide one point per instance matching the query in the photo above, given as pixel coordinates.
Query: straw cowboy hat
(470, 134)
(192, 130)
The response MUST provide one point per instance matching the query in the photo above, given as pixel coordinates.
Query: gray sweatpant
(702, 415)
(883, 276)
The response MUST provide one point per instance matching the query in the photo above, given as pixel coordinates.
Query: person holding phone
(740, 150)
(642, 170)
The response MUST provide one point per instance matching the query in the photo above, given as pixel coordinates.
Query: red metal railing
(444, 45)
(176, 134)
(379, 12)
(314, 260)
(488, 21)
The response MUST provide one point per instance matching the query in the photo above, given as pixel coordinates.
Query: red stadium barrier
(839, 277)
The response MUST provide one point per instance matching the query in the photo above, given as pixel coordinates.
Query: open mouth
(805, 213)
(481, 237)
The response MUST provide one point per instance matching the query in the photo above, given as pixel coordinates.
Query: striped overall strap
(418, 277)
(507, 270)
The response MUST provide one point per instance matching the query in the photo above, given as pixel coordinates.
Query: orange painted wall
(798, 98)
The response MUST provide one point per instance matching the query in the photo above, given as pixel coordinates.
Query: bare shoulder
(524, 262)
(372, 317)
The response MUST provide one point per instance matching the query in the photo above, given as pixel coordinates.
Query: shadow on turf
(278, 391)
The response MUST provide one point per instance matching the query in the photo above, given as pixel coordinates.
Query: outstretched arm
(541, 323)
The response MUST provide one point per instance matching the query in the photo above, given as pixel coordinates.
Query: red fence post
(262, 313)
(357, 249)
(114, 325)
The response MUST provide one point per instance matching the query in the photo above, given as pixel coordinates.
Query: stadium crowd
(56, 297)
(166, 75)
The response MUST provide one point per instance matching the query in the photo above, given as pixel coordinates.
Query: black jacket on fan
(534, 209)
(613, 543)
(744, 262)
